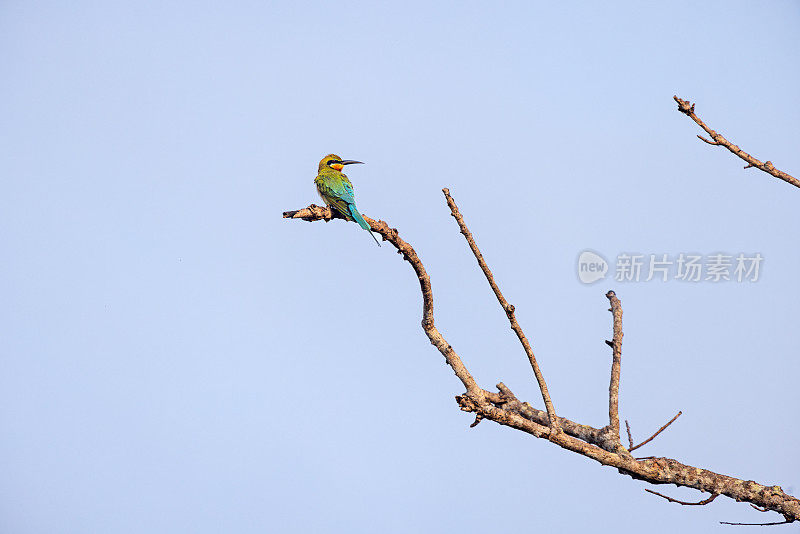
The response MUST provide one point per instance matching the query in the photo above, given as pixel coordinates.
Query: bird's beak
(350, 161)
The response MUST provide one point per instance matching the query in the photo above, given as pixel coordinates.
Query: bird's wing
(344, 189)
(338, 193)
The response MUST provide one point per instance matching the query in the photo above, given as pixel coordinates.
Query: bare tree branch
(317, 213)
(630, 438)
(505, 409)
(648, 440)
(616, 363)
(508, 401)
(687, 108)
(757, 524)
(670, 499)
(508, 308)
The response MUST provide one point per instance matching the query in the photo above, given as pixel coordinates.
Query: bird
(337, 191)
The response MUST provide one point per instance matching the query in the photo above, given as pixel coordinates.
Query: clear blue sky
(175, 357)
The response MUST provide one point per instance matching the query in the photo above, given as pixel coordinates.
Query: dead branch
(316, 213)
(657, 432)
(670, 499)
(630, 438)
(616, 363)
(313, 213)
(509, 309)
(757, 524)
(505, 409)
(687, 108)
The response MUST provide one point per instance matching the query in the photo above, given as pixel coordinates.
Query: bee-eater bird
(337, 191)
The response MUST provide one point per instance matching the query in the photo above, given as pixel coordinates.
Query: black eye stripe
(330, 161)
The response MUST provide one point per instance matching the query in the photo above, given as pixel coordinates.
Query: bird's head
(332, 161)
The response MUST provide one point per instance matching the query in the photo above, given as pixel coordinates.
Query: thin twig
(703, 139)
(670, 499)
(630, 438)
(616, 364)
(509, 309)
(759, 508)
(758, 524)
(659, 431)
(687, 108)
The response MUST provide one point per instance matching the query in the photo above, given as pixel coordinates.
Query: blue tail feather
(361, 222)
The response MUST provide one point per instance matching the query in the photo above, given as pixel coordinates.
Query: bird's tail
(361, 222)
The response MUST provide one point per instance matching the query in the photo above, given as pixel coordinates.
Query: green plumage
(337, 191)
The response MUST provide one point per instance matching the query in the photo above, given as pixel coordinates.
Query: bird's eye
(330, 162)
